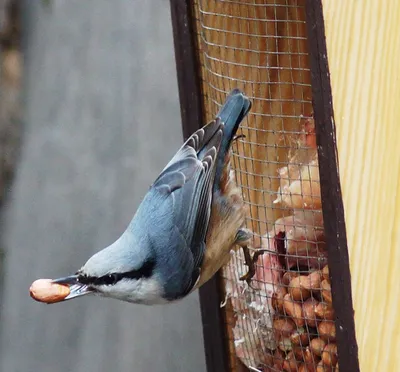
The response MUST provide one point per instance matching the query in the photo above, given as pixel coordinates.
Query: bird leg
(248, 260)
(243, 237)
(251, 261)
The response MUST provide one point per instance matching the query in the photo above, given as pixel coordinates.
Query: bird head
(121, 271)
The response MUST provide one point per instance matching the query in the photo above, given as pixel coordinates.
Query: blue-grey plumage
(185, 227)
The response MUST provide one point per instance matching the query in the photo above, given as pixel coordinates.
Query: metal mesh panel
(276, 321)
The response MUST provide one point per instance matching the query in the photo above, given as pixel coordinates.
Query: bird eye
(111, 279)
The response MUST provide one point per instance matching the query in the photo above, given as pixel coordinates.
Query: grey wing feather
(205, 186)
(188, 179)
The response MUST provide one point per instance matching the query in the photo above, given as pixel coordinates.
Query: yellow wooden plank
(364, 53)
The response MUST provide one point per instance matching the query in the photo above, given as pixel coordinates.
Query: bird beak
(76, 289)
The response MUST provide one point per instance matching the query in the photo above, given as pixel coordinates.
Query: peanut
(283, 327)
(325, 273)
(290, 363)
(317, 346)
(327, 330)
(298, 353)
(294, 310)
(300, 337)
(44, 290)
(307, 368)
(297, 291)
(326, 291)
(324, 311)
(288, 276)
(309, 312)
(329, 355)
(277, 299)
(312, 282)
(279, 357)
(308, 356)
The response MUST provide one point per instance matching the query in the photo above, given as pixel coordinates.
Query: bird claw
(243, 237)
(234, 139)
(250, 262)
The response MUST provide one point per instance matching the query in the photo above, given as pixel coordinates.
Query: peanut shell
(300, 337)
(288, 276)
(327, 330)
(312, 282)
(309, 312)
(44, 290)
(290, 363)
(277, 299)
(325, 273)
(329, 355)
(283, 327)
(294, 310)
(317, 346)
(297, 291)
(326, 291)
(324, 311)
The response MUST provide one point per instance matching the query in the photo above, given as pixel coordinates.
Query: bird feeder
(319, 168)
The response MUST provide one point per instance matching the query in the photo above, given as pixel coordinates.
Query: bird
(191, 218)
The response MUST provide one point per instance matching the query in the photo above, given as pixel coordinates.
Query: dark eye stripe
(146, 271)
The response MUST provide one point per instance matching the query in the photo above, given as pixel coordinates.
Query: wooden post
(332, 204)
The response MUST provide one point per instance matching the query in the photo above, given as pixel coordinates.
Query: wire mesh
(281, 319)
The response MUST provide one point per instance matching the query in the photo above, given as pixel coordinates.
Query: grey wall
(101, 120)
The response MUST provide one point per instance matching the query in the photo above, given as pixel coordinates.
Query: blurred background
(89, 115)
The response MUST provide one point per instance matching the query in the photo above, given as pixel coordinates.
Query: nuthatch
(185, 227)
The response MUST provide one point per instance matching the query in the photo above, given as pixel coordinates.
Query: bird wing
(188, 181)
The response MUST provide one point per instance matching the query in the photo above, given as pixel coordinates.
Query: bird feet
(250, 261)
(238, 137)
(243, 238)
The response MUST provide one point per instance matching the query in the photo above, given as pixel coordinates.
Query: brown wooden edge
(191, 103)
(332, 204)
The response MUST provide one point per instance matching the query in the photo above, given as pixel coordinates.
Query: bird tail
(232, 113)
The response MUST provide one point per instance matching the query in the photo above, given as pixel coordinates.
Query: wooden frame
(332, 204)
